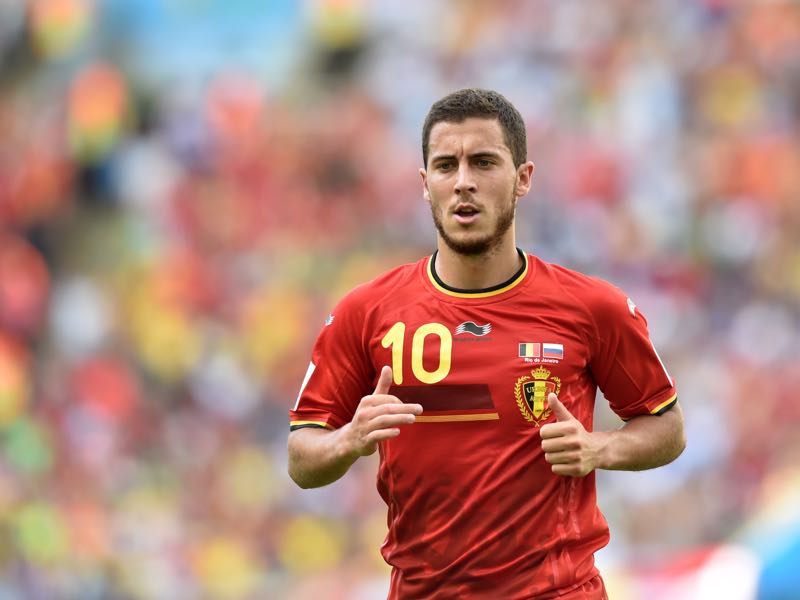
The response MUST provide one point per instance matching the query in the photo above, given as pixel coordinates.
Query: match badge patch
(531, 393)
(545, 352)
(474, 329)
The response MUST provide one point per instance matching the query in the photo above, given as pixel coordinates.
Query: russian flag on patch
(552, 350)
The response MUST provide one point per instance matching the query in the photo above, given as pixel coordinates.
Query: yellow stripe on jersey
(664, 404)
(301, 423)
(475, 294)
(473, 417)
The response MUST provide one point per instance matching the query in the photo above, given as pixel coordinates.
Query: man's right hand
(378, 417)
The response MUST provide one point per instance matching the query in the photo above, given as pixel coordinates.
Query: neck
(477, 272)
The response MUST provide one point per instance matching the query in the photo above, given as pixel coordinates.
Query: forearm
(644, 442)
(318, 457)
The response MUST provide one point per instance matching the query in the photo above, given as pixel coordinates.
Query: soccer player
(473, 373)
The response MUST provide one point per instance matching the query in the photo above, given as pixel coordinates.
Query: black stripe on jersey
(494, 288)
(668, 406)
(664, 409)
(304, 425)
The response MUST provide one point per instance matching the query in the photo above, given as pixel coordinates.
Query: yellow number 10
(395, 338)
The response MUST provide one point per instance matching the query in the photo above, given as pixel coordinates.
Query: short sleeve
(624, 361)
(340, 372)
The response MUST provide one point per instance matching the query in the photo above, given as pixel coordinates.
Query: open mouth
(465, 214)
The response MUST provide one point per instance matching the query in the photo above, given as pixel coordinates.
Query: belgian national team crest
(531, 394)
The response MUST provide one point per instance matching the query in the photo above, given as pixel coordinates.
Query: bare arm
(644, 442)
(318, 457)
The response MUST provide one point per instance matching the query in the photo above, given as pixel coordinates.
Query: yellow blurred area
(271, 320)
(225, 568)
(732, 97)
(41, 533)
(14, 385)
(358, 268)
(339, 23)
(247, 481)
(58, 26)
(371, 534)
(163, 336)
(310, 545)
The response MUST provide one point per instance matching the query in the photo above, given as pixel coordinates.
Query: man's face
(472, 184)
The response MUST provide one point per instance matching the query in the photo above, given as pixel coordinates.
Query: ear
(524, 177)
(425, 193)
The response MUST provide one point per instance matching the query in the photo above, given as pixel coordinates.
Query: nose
(465, 182)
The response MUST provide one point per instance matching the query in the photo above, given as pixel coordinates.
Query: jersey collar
(495, 290)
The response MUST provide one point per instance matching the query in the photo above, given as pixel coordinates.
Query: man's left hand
(573, 451)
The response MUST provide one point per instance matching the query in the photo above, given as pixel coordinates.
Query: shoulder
(600, 298)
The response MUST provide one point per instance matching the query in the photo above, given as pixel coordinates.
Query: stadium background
(187, 186)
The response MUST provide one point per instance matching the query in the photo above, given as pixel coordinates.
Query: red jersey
(474, 510)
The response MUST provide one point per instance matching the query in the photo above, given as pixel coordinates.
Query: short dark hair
(485, 104)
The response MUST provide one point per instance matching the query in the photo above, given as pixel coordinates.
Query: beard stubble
(484, 244)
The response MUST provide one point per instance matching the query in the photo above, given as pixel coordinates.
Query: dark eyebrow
(485, 154)
(481, 154)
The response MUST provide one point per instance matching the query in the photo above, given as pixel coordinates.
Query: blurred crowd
(188, 186)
